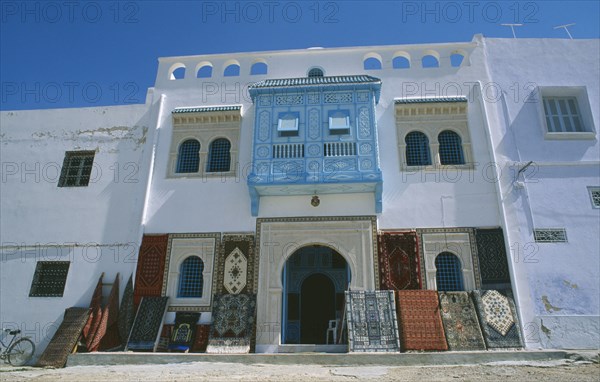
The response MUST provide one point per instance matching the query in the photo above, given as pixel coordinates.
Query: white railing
(290, 150)
(339, 149)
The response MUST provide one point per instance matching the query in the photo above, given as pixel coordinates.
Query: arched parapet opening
(401, 60)
(231, 68)
(177, 71)
(259, 67)
(204, 69)
(372, 61)
(430, 59)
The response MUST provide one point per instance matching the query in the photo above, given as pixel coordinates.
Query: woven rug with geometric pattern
(126, 312)
(233, 322)
(148, 323)
(399, 266)
(150, 267)
(460, 321)
(372, 322)
(235, 265)
(65, 338)
(420, 321)
(493, 263)
(184, 331)
(498, 319)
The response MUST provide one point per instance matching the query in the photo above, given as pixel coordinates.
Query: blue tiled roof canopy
(430, 100)
(308, 81)
(355, 82)
(205, 109)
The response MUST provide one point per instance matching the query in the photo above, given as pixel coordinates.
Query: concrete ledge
(354, 359)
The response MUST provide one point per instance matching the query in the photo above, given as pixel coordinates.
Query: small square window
(76, 169)
(565, 112)
(287, 125)
(49, 279)
(339, 122)
(595, 196)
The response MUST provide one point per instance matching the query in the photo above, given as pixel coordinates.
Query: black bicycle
(18, 351)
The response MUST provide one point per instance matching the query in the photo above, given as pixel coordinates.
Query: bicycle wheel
(20, 352)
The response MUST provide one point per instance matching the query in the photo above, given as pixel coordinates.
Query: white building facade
(484, 153)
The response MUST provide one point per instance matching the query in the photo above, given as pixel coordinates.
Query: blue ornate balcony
(315, 135)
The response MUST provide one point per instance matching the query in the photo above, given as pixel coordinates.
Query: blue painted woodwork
(316, 159)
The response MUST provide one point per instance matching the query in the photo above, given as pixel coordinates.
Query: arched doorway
(314, 280)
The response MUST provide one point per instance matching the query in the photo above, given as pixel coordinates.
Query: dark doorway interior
(317, 307)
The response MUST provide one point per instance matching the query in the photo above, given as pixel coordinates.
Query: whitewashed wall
(409, 200)
(96, 228)
(557, 285)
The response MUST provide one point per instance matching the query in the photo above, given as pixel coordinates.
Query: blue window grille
(191, 281)
(219, 158)
(451, 152)
(448, 273)
(417, 149)
(188, 158)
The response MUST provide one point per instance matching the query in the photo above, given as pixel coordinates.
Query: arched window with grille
(417, 149)
(191, 280)
(219, 158)
(315, 72)
(448, 273)
(188, 157)
(451, 151)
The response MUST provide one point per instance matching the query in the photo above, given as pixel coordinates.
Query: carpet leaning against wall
(460, 322)
(148, 324)
(233, 322)
(420, 321)
(372, 322)
(126, 312)
(64, 340)
(498, 318)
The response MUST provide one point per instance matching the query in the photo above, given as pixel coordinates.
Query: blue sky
(69, 53)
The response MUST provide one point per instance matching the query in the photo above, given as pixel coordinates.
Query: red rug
(420, 321)
(399, 266)
(150, 267)
(91, 326)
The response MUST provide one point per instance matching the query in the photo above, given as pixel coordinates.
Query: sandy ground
(562, 370)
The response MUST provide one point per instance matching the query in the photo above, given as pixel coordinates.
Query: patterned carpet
(65, 338)
(233, 322)
(148, 323)
(460, 321)
(398, 261)
(235, 265)
(497, 317)
(108, 332)
(91, 326)
(493, 263)
(150, 267)
(372, 323)
(184, 331)
(126, 311)
(420, 321)
(202, 333)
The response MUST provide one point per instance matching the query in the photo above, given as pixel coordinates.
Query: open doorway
(314, 278)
